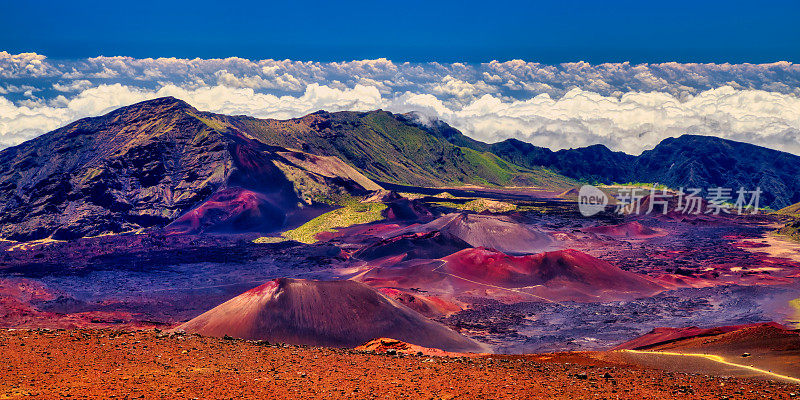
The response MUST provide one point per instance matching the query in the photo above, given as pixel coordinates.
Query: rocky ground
(722, 271)
(79, 364)
(534, 327)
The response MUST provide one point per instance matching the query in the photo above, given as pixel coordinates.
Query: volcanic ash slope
(324, 313)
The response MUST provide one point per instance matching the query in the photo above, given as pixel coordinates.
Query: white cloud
(24, 65)
(627, 107)
(74, 86)
(635, 121)
(284, 81)
(456, 87)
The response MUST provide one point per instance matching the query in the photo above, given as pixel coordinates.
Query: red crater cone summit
(324, 313)
(558, 274)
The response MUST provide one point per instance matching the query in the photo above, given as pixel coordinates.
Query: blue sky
(469, 31)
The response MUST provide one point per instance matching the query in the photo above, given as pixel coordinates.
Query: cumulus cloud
(74, 86)
(24, 65)
(636, 121)
(626, 107)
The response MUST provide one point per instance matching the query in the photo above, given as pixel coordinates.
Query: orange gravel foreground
(104, 364)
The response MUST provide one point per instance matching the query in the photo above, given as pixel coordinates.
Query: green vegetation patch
(491, 168)
(535, 209)
(352, 213)
(211, 123)
(641, 185)
(480, 205)
(411, 196)
(269, 240)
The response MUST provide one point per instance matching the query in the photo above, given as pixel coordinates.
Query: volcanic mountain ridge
(149, 164)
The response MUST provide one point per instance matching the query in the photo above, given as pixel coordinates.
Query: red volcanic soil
(232, 209)
(17, 310)
(394, 346)
(768, 346)
(324, 313)
(260, 196)
(493, 231)
(632, 229)
(359, 233)
(15, 298)
(429, 306)
(107, 364)
(555, 275)
(423, 245)
(674, 281)
(414, 275)
(662, 336)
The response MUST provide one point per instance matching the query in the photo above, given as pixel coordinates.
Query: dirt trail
(700, 363)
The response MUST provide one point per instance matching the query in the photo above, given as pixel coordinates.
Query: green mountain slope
(394, 148)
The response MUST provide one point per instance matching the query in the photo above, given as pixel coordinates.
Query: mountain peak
(166, 100)
(701, 143)
(160, 103)
(134, 115)
(154, 107)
